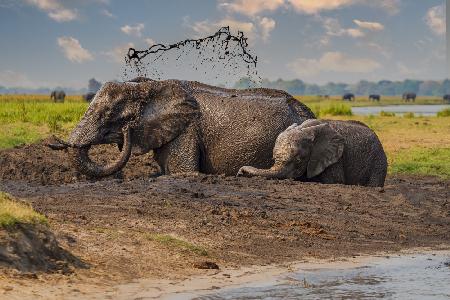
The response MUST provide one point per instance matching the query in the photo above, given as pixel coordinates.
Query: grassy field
(414, 145)
(27, 118)
(364, 100)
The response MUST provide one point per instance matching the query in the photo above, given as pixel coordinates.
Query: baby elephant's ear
(327, 149)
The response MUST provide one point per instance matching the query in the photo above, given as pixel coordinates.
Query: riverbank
(171, 227)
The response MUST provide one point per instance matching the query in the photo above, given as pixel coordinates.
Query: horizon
(344, 42)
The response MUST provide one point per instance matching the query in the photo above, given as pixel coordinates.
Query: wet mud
(120, 225)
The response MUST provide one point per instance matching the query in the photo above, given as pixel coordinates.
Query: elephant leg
(334, 174)
(182, 155)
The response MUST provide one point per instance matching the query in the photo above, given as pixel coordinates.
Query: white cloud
(133, 30)
(334, 28)
(391, 6)
(55, 10)
(333, 62)
(73, 50)
(118, 53)
(257, 28)
(256, 7)
(373, 26)
(266, 26)
(252, 7)
(435, 19)
(107, 13)
(206, 27)
(11, 78)
(315, 6)
(150, 42)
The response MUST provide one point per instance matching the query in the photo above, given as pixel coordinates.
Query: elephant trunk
(82, 162)
(272, 173)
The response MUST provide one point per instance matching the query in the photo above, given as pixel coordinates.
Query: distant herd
(59, 95)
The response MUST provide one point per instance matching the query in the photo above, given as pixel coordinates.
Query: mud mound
(37, 163)
(33, 248)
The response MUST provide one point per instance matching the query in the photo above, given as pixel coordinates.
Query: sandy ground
(120, 226)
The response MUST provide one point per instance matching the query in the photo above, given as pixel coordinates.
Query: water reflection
(425, 276)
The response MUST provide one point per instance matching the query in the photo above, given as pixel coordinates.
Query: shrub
(332, 109)
(444, 113)
(408, 115)
(386, 114)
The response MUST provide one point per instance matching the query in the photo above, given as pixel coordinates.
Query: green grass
(386, 114)
(13, 212)
(28, 118)
(422, 161)
(331, 109)
(444, 113)
(176, 243)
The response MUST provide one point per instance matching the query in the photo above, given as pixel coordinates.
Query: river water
(418, 276)
(424, 110)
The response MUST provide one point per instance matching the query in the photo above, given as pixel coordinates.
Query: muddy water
(419, 276)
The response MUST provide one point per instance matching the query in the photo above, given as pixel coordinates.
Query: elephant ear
(327, 149)
(170, 109)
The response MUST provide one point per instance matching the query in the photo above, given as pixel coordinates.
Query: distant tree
(94, 85)
(244, 83)
(444, 88)
(429, 88)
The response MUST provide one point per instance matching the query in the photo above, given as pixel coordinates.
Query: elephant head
(139, 115)
(307, 148)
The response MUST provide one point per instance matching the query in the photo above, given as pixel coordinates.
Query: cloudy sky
(62, 42)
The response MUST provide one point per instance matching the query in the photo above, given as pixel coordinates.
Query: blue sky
(62, 42)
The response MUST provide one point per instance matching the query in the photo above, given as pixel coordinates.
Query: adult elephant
(192, 127)
(446, 98)
(58, 95)
(374, 97)
(348, 97)
(88, 96)
(409, 96)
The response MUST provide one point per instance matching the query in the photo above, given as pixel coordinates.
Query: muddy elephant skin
(190, 126)
(327, 151)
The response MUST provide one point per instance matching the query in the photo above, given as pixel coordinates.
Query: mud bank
(165, 227)
(31, 248)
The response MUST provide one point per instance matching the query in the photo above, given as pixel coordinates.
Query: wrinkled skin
(58, 96)
(345, 152)
(191, 127)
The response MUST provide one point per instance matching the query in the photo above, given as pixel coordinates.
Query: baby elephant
(327, 151)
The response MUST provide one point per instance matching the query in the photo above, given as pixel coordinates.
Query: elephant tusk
(60, 144)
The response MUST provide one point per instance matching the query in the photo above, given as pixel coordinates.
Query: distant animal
(89, 96)
(190, 126)
(327, 151)
(348, 97)
(324, 96)
(446, 98)
(409, 96)
(375, 97)
(58, 96)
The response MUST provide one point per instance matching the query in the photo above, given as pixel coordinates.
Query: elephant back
(239, 127)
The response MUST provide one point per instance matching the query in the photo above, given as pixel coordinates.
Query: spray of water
(222, 56)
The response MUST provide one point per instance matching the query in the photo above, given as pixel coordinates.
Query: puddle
(419, 276)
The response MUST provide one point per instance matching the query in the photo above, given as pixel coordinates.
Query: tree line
(363, 87)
